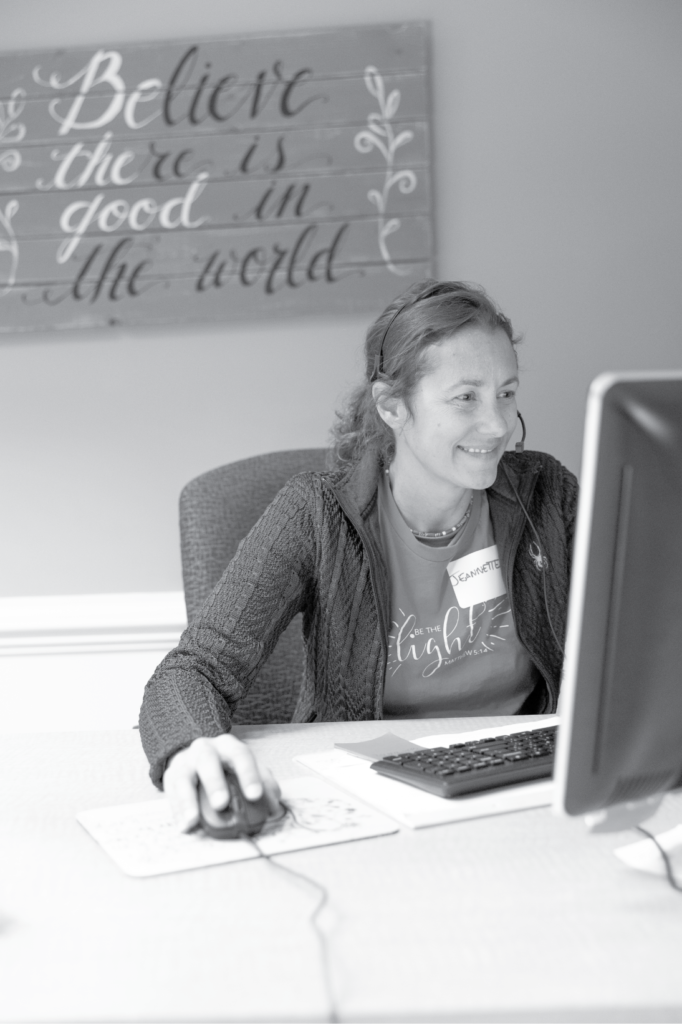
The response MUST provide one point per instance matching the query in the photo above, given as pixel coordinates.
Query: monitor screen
(620, 738)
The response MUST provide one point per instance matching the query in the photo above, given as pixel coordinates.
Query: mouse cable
(664, 854)
(545, 560)
(317, 910)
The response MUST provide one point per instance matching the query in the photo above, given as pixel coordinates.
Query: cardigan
(317, 550)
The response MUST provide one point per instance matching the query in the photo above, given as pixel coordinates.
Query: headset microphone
(519, 444)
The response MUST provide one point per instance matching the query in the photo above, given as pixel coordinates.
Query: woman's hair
(395, 348)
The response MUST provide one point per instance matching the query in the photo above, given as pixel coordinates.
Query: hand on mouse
(203, 761)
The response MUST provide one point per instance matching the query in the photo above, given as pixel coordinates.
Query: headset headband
(379, 357)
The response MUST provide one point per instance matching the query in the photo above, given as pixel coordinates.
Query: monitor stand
(620, 817)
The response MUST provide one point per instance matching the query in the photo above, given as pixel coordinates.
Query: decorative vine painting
(214, 180)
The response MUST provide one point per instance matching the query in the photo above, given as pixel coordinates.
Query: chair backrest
(217, 509)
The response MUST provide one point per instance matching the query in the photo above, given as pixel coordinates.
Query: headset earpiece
(519, 444)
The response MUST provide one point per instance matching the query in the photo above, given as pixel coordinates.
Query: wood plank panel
(224, 204)
(170, 254)
(338, 52)
(227, 156)
(173, 301)
(294, 167)
(326, 101)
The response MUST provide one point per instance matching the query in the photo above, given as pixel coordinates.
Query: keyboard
(473, 767)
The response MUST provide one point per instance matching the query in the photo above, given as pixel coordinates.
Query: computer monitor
(620, 738)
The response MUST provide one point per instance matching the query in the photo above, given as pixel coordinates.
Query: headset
(518, 447)
(542, 561)
(435, 289)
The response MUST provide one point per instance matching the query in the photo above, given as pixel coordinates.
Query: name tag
(477, 577)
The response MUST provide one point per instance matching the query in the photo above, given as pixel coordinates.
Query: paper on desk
(644, 856)
(447, 738)
(418, 809)
(379, 746)
(143, 839)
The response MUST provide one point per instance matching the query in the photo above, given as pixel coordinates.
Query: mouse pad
(143, 839)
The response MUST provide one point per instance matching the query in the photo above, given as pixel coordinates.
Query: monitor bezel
(596, 400)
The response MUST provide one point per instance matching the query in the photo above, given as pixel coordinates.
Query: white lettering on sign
(477, 577)
(174, 213)
(102, 69)
(137, 96)
(90, 76)
(102, 166)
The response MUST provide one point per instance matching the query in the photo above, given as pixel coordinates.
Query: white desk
(520, 917)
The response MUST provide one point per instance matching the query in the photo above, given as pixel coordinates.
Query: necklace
(438, 535)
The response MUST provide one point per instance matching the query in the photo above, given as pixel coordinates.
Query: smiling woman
(414, 561)
(451, 436)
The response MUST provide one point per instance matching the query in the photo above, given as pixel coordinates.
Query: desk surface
(519, 917)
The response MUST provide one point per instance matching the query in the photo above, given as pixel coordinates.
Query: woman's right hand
(202, 761)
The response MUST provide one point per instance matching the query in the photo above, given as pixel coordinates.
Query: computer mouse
(241, 816)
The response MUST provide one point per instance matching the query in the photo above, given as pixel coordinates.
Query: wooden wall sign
(213, 180)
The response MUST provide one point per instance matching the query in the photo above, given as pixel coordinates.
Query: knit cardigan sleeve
(270, 579)
(556, 518)
(565, 489)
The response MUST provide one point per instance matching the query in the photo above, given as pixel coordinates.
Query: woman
(431, 567)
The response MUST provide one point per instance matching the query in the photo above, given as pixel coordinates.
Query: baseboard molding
(91, 623)
(81, 662)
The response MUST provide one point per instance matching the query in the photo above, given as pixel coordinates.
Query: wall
(558, 162)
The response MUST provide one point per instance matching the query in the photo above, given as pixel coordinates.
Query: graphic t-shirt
(453, 647)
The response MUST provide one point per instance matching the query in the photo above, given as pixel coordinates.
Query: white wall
(81, 662)
(558, 170)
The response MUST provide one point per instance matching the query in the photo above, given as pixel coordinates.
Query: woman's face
(463, 411)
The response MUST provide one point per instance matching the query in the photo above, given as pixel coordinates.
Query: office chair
(217, 509)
